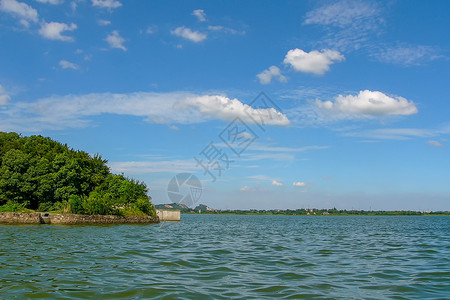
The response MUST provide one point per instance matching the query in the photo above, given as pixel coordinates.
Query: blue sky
(359, 106)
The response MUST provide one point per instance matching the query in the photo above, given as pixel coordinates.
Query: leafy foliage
(39, 173)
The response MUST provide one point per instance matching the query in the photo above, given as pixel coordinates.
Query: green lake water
(222, 257)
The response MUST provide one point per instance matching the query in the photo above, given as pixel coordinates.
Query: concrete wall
(168, 214)
(69, 219)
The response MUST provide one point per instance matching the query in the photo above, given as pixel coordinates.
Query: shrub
(13, 206)
(76, 204)
(45, 206)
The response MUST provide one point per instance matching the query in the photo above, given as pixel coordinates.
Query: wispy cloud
(200, 14)
(64, 64)
(160, 166)
(347, 23)
(110, 4)
(407, 55)
(435, 143)
(219, 28)
(102, 22)
(393, 133)
(4, 97)
(53, 2)
(70, 111)
(300, 184)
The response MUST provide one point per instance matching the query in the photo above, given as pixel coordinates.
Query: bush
(145, 206)
(76, 204)
(97, 204)
(13, 206)
(45, 206)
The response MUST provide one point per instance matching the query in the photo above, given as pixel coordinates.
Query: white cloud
(200, 14)
(312, 62)
(115, 40)
(368, 104)
(187, 33)
(396, 133)
(227, 30)
(247, 189)
(72, 111)
(68, 65)
(223, 108)
(160, 166)
(151, 29)
(407, 55)
(19, 9)
(300, 184)
(341, 13)
(435, 143)
(348, 24)
(54, 2)
(102, 22)
(276, 183)
(106, 3)
(266, 76)
(54, 30)
(4, 97)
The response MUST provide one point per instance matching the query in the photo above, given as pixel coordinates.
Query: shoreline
(36, 218)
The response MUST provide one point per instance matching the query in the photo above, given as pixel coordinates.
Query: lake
(228, 256)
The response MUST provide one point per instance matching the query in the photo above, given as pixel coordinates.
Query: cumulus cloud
(106, 3)
(115, 40)
(73, 111)
(224, 108)
(300, 184)
(266, 76)
(368, 104)
(317, 62)
(276, 183)
(188, 34)
(54, 30)
(4, 97)
(19, 9)
(68, 65)
(200, 14)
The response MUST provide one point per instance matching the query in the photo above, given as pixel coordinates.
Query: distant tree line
(320, 212)
(37, 173)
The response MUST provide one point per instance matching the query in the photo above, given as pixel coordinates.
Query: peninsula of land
(38, 174)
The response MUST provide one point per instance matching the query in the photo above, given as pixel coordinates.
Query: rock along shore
(71, 219)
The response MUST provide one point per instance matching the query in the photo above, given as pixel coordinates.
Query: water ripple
(223, 257)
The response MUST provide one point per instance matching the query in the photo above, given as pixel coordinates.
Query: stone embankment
(71, 219)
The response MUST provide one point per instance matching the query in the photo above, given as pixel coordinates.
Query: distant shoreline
(318, 213)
